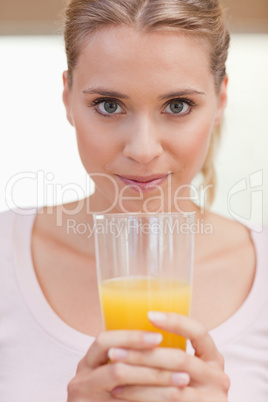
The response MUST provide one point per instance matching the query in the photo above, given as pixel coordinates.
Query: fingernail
(153, 338)
(156, 316)
(181, 379)
(117, 353)
(117, 390)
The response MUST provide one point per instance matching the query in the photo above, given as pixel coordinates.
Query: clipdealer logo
(48, 192)
(254, 186)
(134, 227)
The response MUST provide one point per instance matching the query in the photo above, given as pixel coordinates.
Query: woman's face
(143, 106)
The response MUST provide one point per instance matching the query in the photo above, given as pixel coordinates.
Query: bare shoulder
(225, 263)
(54, 249)
(65, 267)
(226, 236)
(225, 227)
(59, 225)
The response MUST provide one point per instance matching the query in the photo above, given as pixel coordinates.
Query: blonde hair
(202, 17)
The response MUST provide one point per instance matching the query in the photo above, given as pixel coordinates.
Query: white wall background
(36, 138)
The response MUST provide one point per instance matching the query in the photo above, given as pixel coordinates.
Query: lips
(144, 183)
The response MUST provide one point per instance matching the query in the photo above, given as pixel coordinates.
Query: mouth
(144, 183)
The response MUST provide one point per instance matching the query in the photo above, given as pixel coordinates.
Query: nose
(143, 142)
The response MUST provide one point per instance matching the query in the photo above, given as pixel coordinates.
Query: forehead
(125, 54)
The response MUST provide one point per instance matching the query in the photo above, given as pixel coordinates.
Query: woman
(145, 91)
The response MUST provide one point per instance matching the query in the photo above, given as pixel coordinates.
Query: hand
(96, 380)
(208, 382)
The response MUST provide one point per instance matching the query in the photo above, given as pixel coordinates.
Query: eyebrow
(104, 92)
(182, 92)
(115, 94)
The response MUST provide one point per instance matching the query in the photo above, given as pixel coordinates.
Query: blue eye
(178, 107)
(109, 107)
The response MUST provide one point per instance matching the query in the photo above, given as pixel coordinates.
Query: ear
(66, 95)
(222, 100)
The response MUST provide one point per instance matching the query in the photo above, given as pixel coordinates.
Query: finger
(98, 352)
(121, 374)
(168, 359)
(83, 387)
(201, 341)
(156, 394)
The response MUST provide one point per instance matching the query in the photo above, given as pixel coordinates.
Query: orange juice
(126, 301)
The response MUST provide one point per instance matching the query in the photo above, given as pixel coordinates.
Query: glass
(144, 263)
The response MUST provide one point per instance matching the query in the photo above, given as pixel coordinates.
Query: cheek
(193, 147)
(96, 149)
